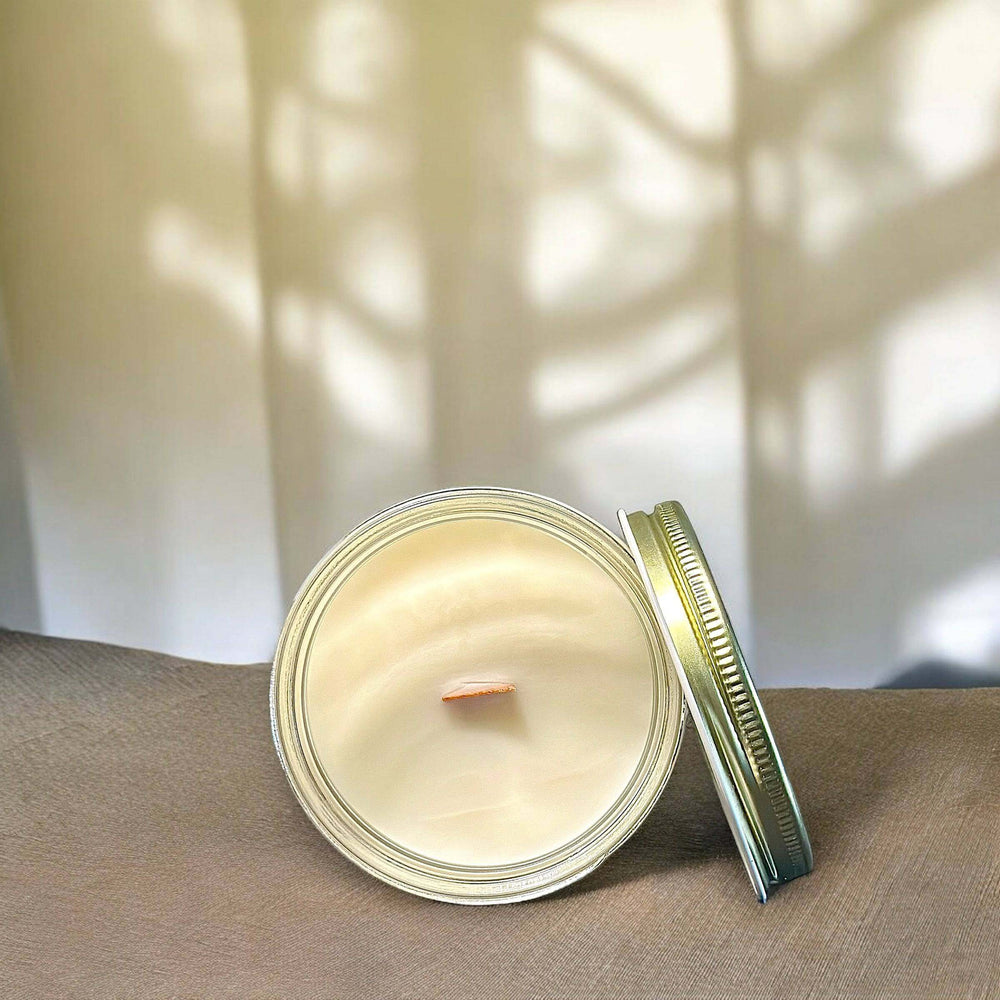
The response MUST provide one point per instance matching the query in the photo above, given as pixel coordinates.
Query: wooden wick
(473, 689)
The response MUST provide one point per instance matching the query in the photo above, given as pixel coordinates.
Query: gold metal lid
(749, 776)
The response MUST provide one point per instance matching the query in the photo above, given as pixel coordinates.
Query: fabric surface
(151, 848)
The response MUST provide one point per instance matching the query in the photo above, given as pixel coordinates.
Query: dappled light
(941, 362)
(133, 311)
(870, 331)
(280, 265)
(957, 625)
(183, 253)
(834, 427)
(206, 35)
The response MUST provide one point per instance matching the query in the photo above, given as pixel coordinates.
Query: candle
(472, 697)
(480, 690)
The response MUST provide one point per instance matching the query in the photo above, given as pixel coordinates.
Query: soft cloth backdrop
(268, 267)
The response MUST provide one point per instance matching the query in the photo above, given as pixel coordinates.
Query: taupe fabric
(151, 848)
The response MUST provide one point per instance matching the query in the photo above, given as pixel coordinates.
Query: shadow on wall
(290, 263)
(942, 674)
(871, 258)
(500, 245)
(492, 254)
(133, 324)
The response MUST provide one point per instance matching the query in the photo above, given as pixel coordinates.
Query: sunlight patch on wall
(947, 71)
(572, 384)
(312, 151)
(630, 147)
(355, 52)
(843, 176)
(379, 261)
(208, 35)
(570, 237)
(688, 81)
(184, 253)
(941, 369)
(914, 110)
(836, 416)
(786, 37)
(958, 624)
(379, 391)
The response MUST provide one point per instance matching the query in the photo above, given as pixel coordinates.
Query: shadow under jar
(479, 694)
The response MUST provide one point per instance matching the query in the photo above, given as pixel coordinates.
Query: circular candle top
(505, 777)
(471, 696)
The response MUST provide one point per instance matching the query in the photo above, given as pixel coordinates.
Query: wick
(474, 689)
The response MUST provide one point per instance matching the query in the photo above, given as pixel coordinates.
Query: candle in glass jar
(511, 773)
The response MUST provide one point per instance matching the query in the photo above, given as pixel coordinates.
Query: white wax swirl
(489, 780)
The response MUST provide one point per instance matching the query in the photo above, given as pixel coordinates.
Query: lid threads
(757, 797)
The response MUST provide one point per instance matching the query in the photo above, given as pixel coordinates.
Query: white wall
(134, 323)
(268, 267)
(872, 338)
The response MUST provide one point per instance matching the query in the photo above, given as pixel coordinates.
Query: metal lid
(749, 776)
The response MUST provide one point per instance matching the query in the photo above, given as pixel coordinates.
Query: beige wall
(268, 267)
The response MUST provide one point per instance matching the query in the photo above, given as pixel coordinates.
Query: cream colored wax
(499, 778)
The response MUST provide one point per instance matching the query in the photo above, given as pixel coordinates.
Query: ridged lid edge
(747, 769)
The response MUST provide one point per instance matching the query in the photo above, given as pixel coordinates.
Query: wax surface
(489, 780)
